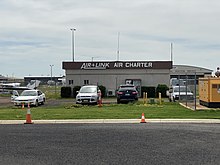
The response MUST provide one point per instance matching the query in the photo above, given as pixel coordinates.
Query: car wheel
(118, 102)
(43, 102)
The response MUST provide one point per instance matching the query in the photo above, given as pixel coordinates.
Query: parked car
(88, 94)
(32, 97)
(127, 94)
(180, 93)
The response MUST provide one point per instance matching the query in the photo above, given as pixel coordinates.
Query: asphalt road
(110, 144)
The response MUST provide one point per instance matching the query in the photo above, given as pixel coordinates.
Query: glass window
(29, 93)
(181, 89)
(70, 82)
(88, 89)
(86, 82)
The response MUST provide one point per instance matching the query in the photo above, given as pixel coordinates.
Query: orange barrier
(28, 116)
(142, 118)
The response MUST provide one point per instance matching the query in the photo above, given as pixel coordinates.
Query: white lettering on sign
(104, 65)
(138, 65)
(118, 65)
(96, 65)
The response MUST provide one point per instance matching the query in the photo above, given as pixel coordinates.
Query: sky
(35, 35)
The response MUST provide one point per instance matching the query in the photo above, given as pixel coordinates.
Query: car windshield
(29, 93)
(181, 89)
(126, 86)
(127, 89)
(88, 89)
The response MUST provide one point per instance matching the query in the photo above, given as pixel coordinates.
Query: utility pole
(51, 71)
(118, 47)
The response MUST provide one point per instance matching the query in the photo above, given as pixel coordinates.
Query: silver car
(88, 94)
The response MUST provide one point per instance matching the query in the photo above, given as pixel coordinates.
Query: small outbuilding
(111, 74)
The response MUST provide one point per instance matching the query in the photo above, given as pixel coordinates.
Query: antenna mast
(118, 47)
(171, 51)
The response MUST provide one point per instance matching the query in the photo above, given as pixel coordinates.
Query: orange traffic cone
(22, 106)
(100, 100)
(142, 118)
(28, 116)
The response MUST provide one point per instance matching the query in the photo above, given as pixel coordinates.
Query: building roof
(42, 76)
(183, 69)
(3, 77)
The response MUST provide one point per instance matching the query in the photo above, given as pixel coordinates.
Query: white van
(179, 93)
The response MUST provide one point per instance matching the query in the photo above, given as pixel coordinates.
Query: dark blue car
(125, 95)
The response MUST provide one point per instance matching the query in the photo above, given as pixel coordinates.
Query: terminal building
(112, 74)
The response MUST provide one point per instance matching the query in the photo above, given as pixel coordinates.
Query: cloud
(38, 32)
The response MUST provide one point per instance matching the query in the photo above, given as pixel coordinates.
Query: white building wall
(112, 78)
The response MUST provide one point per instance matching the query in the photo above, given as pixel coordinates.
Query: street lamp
(73, 43)
(51, 68)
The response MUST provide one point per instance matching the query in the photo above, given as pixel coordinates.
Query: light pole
(73, 43)
(51, 69)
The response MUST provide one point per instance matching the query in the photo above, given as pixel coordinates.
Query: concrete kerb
(122, 121)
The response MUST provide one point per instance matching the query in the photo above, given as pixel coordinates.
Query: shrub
(65, 92)
(103, 90)
(162, 88)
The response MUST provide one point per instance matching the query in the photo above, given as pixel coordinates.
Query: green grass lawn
(108, 111)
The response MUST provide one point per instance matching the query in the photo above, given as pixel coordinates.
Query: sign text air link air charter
(116, 65)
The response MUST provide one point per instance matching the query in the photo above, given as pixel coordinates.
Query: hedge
(162, 88)
(103, 90)
(65, 92)
(150, 91)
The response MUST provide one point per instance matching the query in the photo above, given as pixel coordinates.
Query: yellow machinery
(209, 92)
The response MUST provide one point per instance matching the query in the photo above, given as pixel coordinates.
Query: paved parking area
(6, 101)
